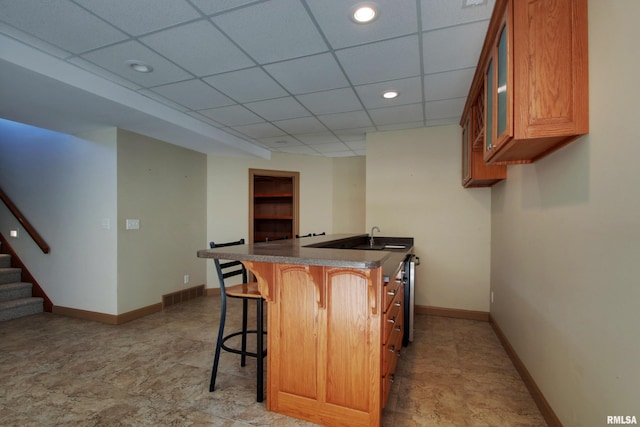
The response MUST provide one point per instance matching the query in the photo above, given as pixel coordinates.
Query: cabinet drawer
(391, 350)
(393, 318)
(391, 289)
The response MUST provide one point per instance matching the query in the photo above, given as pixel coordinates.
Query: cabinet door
(498, 79)
(504, 123)
(466, 148)
(489, 125)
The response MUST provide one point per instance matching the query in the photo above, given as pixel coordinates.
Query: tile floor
(155, 371)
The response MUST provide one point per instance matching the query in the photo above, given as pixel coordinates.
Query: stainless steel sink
(378, 247)
(380, 243)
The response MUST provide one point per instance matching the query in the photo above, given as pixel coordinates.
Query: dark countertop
(298, 251)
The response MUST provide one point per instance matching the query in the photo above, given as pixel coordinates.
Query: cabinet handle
(392, 320)
(398, 328)
(392, 378)
(392, 349)
(398, 303)
(392, 292)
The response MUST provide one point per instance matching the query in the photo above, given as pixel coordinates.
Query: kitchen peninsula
(335, 322)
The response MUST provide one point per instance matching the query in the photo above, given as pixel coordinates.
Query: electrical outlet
(186, 279)
(13, 233)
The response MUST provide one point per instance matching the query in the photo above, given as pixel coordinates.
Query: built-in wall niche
(273, 204)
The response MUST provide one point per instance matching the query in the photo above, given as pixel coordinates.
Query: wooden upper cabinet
(533, 70)
(475, 172)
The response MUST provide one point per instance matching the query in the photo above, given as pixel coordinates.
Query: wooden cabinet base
(324, 342)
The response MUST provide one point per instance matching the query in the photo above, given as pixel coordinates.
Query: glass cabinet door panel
(502, 82)
(465, 150)
(488, 121)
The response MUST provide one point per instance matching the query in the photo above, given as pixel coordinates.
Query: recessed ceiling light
(140, 66)
(390, 94)
(364, 13)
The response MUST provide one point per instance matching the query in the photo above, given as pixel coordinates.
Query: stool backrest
(228, 269)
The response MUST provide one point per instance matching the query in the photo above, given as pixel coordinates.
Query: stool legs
(243, 353)
(216, 359)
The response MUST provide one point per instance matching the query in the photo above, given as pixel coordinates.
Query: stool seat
(244, 290)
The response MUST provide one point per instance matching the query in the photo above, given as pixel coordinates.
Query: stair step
(16, 290)
(9, 275)
(20, 308)
(5, 260)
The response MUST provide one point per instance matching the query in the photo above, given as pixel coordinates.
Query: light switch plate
(132, 224)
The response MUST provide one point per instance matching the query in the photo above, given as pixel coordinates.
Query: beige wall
(228, 195)
(164, 186)
(413, 189)
(565, 261)
(349, 184)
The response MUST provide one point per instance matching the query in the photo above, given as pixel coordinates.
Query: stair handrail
(42, 244)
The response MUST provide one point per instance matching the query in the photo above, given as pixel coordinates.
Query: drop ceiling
(239, 77)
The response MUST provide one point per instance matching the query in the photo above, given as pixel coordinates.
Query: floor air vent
(182, 296)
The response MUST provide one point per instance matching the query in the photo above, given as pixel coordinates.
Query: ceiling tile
(233, 115)
(397, 114)
(410, 92)
(450, 84)
(278, 109)
(198, 47)
(447, 13)
(357, 145)
(331, 101)
(352, 119)
(281, 141)
(210, 7)
(273, 31)
(396, 18)
(453, 48)
(259, 130)
(355, 134)
(141, 16)
(308, 74)
(194, 94)
(331, 147)
(61, 23)
(387, 60)
(301, 125)
(235, 85)
(113, 58)
(318, 138)
(444, 109)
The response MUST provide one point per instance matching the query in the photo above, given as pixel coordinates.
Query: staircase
(15, 295)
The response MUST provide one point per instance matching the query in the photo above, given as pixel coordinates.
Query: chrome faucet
(374, 228)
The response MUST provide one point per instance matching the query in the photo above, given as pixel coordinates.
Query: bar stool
(245, 291)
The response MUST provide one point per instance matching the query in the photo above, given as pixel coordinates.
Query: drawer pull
(392, 349)
(392, 292)
(392, 320)
(392, 378)
(398, 303)
(398, 328)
